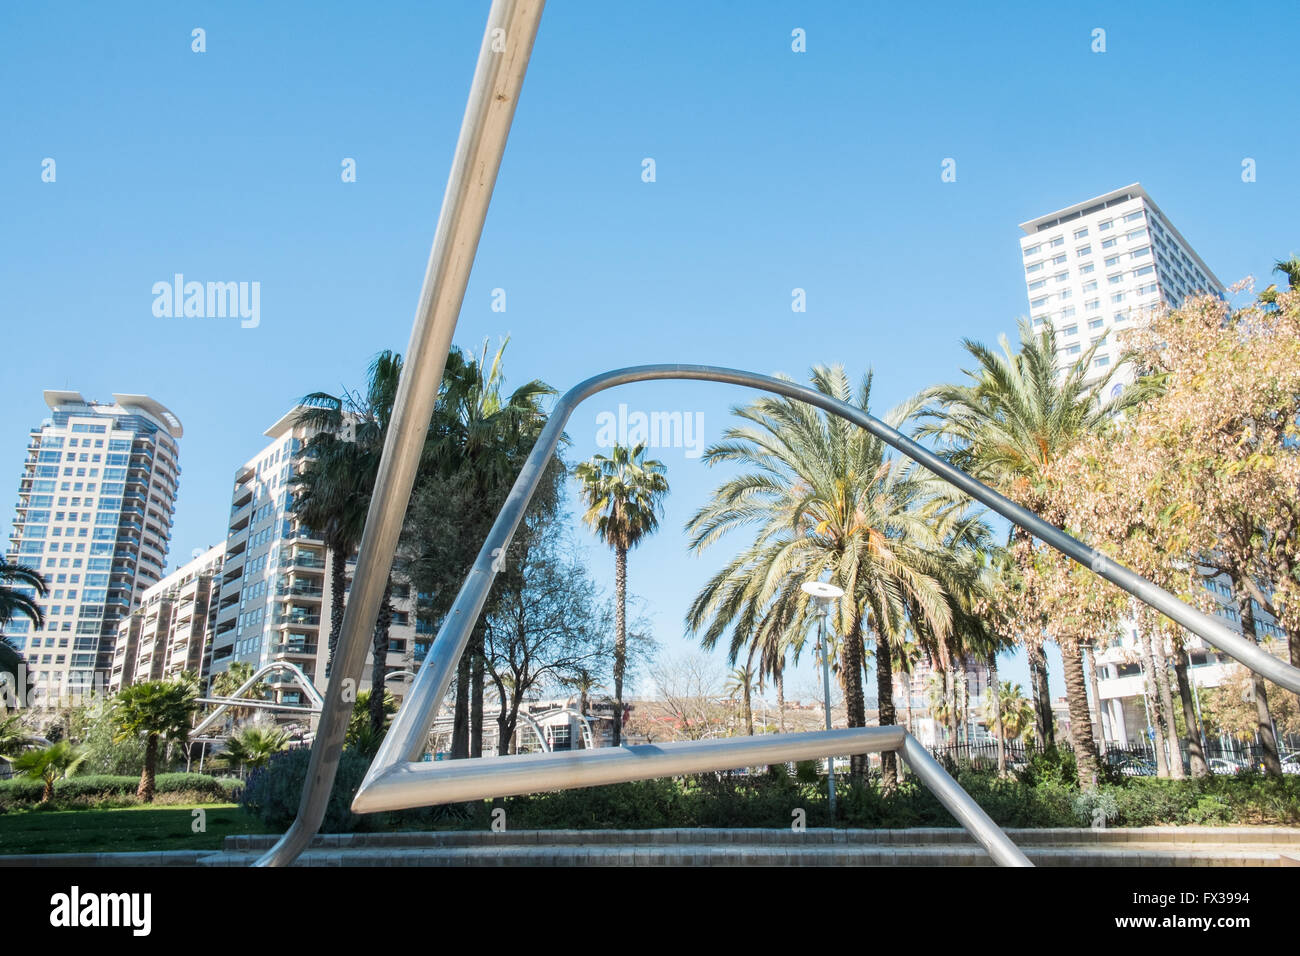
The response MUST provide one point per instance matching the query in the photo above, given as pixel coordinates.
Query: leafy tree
(741, 681)
(50, 764)
(155, 710)
(623, 492)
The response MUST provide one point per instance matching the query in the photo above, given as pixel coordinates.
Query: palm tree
(1008, 712)
(1014, 417)
(1290, 268)
(478, 441)
(154, 709)
(15, 581)
(741, 681)
(823, 499)
(225, 683)
(624, 494)
(332, 494)
(50, 764)
(253, 745)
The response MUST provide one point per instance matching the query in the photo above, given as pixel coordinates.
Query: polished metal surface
(502, 62)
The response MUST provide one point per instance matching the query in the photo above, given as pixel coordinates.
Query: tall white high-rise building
(1098, 266)
(274, 599)
(95, 504)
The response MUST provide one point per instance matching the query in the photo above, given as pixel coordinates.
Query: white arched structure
(237, 700)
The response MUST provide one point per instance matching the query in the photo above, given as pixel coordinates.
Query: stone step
(1208, 855)
(1171, 837)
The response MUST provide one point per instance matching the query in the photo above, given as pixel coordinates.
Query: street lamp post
(824, 594)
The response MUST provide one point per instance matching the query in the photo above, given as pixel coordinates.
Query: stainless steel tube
(450, 781)
(499, 76)
(959, 803)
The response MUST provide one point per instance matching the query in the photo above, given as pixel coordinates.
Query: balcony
(294, 650)
(309, 592)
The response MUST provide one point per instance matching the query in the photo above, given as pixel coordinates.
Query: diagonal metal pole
(498, 78)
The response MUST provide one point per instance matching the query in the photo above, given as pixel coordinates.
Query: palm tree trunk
(996, 690)
(147, 777)
(855, 704)
(338, 598)
(1150, 696)
(1195, 755)
(476, 679)
(1076, 695)
(1098, 729)
(885, 704)
(780, 697)
(1267, 739)
(460, 719)
(1044, 731)
(379, 661)
(950, 704)
(1166, 705)
(620, 638)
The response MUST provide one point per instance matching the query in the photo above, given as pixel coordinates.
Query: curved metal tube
(299, 678)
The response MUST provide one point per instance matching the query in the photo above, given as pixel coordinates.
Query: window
(1067, 313)
(1066, 293)
(1144, 271)
(1101, 361)
(1116, 279)
(1135, 235)
(1035, 267)
(1061, 276)
(1037, 285)
(1040, 301)
(1139, 253)
(1086, 268)
(1117, 297)
(1058, 241)
(1112, 261)
(1096, 323)
(1092, 305)
(1134, 216)
(1070, 330)
(1073, 349)
(1102, 227)
(1090, 285)
(1109, 243)
(1080, 233)
(1084, 250)
(1059, 260)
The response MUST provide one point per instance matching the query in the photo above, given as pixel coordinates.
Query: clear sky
(774, 170)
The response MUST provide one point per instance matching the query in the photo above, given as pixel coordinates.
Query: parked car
(1224, 765)
(1131, 766)
(1291, 762)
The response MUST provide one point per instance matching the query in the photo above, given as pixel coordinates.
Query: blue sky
(774, 170)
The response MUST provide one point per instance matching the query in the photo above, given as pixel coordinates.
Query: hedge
(19, 790)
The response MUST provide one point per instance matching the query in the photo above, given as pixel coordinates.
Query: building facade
(171, 631)
(95, 504)
(1100, 266)
(274, 598)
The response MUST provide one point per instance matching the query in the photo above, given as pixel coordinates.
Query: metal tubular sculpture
(396, 778)
(502, 61)
(399, 778)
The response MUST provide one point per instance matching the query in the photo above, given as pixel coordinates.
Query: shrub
(272, 793)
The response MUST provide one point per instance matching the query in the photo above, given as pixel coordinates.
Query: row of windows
(1056, 242)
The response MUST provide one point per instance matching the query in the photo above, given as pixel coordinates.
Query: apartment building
(274, 598)
(170, 632)
(1100, 266)
(96, 499)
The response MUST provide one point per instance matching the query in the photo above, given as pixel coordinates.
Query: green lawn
(122, 830)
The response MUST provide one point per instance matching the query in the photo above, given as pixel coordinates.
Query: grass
(123, 829)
